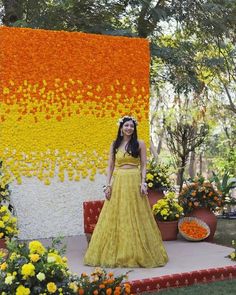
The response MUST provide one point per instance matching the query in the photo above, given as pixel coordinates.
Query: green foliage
(224, 184)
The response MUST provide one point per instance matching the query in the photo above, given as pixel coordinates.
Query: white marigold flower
(40, 276)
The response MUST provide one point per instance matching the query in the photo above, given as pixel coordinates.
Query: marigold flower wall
(61, 94)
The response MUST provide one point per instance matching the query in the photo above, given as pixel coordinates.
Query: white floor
(184, 256)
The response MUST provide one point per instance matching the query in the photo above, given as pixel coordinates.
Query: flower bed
(34, 269)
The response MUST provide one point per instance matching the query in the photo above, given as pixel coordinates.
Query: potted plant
(201, 198)
(158, 180)
(8, 226)
(167, 212)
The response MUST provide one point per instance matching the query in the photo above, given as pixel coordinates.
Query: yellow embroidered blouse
(123, 158)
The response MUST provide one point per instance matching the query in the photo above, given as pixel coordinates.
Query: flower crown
(121, 120)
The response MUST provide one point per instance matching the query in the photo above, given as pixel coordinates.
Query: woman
(126, 234)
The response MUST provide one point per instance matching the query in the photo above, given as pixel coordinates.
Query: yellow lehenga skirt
(126, 234)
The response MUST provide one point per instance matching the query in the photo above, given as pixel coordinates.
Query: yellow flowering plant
(157, 176)
(200, 193)
(232, 255)
(8, 223)
(167, 208)
(4, 187)
(34, 269)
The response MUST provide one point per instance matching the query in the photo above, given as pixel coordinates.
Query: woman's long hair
(132, 147)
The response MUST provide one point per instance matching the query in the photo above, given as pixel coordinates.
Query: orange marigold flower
(102, 286)
(193, 229)
(80, 291)
(109, 291)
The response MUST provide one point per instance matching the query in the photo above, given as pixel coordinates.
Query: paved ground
(184, 256)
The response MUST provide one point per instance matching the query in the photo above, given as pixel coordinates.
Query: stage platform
(189, 263)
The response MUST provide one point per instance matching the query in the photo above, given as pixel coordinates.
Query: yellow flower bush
(22, 273)
(158, 176)
(59, 104)
(232, 255)
(8, 223)
(36, 247)
(167, 208)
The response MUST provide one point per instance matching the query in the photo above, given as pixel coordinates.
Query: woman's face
(128, 128)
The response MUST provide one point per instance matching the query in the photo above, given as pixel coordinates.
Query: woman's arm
(110, 169)
(143, 162)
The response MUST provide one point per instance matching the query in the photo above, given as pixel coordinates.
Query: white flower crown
(121, 120)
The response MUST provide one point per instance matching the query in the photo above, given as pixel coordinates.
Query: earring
(121, 133)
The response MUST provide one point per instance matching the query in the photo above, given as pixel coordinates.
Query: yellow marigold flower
(5, 218)
(34, 257)
(3, 266)
(51, 287)
(13, 256)
(149, 176)
(21, 290)
(27, 270)
(73, 287)
(36, 247)
(3, 209)
(233, 255)
(2, 225)
(53, 257)
(1, 235)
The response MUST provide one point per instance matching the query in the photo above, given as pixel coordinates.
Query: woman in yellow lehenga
(126, 234)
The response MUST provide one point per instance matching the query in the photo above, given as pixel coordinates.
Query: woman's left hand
(143, 189)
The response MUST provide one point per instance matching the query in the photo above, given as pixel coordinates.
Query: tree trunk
(153, 150)
(180, 175)
(200, 164)
(192, 167)
(13, 11)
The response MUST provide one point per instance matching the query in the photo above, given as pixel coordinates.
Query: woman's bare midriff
(128, 166)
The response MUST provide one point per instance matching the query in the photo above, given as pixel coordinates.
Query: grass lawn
(216, 288)
(225, 232)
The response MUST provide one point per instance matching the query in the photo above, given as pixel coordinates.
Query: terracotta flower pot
(168, 229)
(208, 217)
(154, 196)
(3, 244)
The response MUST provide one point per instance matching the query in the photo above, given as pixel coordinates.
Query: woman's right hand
(107, 192)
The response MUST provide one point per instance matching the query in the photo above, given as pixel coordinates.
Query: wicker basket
(197, 220)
